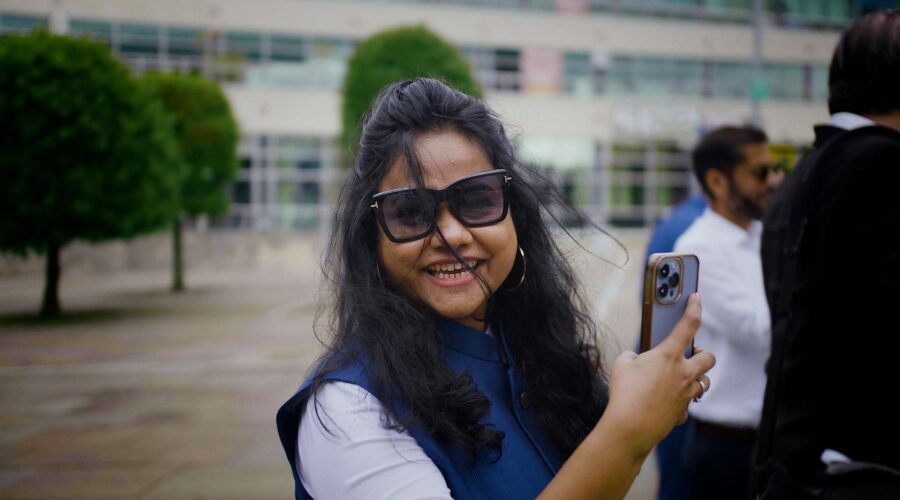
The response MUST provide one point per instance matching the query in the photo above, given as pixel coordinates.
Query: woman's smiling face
(426, 269)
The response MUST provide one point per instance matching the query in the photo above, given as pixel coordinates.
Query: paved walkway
(139, 392)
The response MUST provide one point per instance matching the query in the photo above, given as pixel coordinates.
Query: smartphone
(671, 278)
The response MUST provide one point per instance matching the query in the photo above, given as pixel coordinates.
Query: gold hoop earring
(524, 268)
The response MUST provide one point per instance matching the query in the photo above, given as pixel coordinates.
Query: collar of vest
(468, 341)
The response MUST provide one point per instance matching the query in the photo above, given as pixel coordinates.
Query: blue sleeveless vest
(529, 460)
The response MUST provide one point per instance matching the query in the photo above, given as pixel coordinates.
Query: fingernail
(695, 301)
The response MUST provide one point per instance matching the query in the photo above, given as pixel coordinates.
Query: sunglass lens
(479, 200)
(763, 172)
(406, 214)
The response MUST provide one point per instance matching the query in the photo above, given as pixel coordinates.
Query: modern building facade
(605, 95)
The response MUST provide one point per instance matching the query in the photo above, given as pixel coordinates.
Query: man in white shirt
(738, 175)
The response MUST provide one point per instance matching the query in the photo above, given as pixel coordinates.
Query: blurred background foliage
(392, 55)
(86, 152)
(207, 136)
(90, 152)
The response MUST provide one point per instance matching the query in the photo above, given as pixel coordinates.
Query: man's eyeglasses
(407, 214)
(762, 172)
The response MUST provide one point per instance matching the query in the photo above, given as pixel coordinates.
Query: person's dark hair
(551, 337)
(723, 149)
(864, 76)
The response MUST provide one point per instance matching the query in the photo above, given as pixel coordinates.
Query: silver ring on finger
(697, 399)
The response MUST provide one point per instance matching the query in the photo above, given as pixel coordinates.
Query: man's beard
(742, 205)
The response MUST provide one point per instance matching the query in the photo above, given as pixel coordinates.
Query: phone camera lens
(673, 280)
(664, 271)
(663, 291)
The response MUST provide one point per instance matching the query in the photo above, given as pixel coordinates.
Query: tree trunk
(50, 306)
(177, 265)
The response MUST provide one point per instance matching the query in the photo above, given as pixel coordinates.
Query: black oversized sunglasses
(407, 214)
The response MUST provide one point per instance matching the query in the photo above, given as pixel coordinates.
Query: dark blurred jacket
(831, 265)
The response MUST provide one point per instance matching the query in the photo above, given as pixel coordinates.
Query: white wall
(287, 112)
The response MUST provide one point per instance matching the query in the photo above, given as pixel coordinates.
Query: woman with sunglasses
(463, 363)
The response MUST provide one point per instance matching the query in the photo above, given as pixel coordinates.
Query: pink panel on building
(542, 71)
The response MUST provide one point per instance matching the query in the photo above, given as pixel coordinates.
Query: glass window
(496, 69)
(688, 78)
(730, 79)
(577, 74)
(655, 77)
(819, 83)
(302, 193)
(481, 60)
(678, 8)
(20, 24)
(665, 77)
(246, 45)
(288, 49)
(621, 76)
(838, 11)
(506, 66)
(673, 176)
(138, 40)
(646, 180)
(651, 75)
(506, 60)
(241, 192)
(291, 61)
(330, 58)
(186, 42)
(327, 48)
(785, 81)
(297, 153)
(814, 12)
(97, 31)
(737, 10)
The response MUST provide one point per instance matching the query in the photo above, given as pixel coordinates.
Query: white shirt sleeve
(734, 300)
(344, 452)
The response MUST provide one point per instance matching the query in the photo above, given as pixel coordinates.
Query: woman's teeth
(450, 271)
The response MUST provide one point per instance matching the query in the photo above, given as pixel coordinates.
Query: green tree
(207, 135)
(389, 56)
(85, 151)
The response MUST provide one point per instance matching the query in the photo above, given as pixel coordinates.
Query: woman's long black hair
(551, 337)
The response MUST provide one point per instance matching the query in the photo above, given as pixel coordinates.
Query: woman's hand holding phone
(649, 393)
